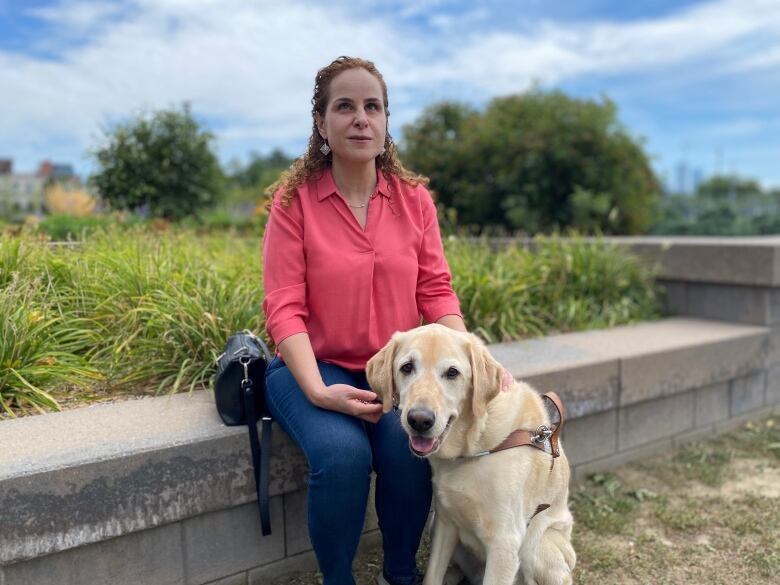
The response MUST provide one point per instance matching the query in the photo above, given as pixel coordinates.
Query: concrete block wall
(662, 384)
(736, 280)
(158, 491)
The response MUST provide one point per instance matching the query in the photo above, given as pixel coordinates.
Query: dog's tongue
(422, 445)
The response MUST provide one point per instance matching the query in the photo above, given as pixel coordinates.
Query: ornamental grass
(141, 312)
(553, 285)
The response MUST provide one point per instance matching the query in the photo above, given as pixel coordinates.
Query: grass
(709, 518)
(633, 526)
(562, 285)
(36, 349)
(132, 310)
(122, 312)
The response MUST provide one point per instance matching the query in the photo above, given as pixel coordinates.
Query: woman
(352, 253)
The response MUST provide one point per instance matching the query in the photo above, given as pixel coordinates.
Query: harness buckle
(543, 433)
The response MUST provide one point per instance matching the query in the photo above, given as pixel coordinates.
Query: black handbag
(239, 393)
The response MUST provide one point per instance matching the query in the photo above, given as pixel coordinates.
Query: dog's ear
(486, 376)
(379, 373)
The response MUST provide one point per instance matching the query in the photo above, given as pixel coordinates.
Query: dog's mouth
(426, 446)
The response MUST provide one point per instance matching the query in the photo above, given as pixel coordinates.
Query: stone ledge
(593, 370)
(87, 475)
(749, 260)
(753, 305)
(105, 432)
(587, 381)
(753, 261)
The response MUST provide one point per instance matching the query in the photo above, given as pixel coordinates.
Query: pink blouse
(350, 289)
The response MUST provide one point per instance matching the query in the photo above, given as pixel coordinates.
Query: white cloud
(501, 61)
(76, 16)
(251, 65)
(769, 59)
(738, 128)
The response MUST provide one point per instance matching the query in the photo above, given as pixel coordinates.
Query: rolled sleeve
(284, 272)
(435, 297)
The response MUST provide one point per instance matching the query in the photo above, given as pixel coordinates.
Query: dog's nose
(420, 419)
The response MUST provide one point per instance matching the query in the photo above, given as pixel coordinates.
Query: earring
(325, 149)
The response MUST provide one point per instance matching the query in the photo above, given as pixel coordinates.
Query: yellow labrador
(456, 403)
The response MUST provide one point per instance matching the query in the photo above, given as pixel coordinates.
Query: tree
(722, 205)
(535, 162)
(260, 171)
(433, 146)
(728, 188)
(162, 162)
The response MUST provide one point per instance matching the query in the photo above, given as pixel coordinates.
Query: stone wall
(157, 491)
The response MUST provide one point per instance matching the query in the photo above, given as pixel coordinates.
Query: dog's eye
(407, 368)
(452, 373)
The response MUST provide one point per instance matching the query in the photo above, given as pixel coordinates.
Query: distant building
(23, 193)
(50, 170)
(687, 179)
(682, 178)
(698, 179)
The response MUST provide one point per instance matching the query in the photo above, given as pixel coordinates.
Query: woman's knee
(334, 443)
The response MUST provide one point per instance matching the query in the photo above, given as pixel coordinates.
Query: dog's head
(435, 375)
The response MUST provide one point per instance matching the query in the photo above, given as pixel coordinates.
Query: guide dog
(500, 477)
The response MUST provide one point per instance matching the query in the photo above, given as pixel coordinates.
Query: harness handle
(556, 402)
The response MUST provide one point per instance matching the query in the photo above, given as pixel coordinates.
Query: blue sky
(698, 81)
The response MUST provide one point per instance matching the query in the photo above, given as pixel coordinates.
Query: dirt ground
(705, 514)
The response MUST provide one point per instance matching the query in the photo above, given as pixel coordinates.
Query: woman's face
(355, 121)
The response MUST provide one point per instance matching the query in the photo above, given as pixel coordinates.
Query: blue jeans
(341, 451)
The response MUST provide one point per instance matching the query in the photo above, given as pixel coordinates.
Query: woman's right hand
(349, 400)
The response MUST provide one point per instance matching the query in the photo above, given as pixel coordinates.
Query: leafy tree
(722, 205)
(535, 161)
(162, 162)
(675, 215)
(434, 146)
(247, 183)
(717, 220)
(728, 188)
(766, 224)
(260, 171)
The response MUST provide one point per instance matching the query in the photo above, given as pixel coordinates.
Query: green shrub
(13, 255)
(175, 299)
(71, 227)
(534, 162)
(162, 162)
(223, 219)
(592, 284)
(558, 285)
(130, 310)
(36, 349)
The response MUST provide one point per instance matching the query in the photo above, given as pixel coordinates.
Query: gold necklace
(360, 206)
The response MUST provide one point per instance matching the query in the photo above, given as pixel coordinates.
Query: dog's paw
(563, 544)
(554, 561)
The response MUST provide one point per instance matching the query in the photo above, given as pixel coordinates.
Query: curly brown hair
(313, 161)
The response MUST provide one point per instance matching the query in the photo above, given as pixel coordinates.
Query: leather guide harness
(543, 438)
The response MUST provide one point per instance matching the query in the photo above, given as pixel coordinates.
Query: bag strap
(260, 458)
